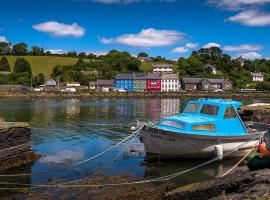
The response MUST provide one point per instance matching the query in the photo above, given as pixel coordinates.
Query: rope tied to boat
(139, 127)
(159, 179)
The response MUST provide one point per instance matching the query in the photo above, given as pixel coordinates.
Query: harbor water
(71, 130)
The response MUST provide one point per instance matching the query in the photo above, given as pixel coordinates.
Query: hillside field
(43, 64)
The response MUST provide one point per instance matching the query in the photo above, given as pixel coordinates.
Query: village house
(162, 68)
(153, 82)
(191, 84)
(139, 83)
(257, 76)
(124, 81)
(50, 83)
(169, 83)
(145, 59)
(102, 85)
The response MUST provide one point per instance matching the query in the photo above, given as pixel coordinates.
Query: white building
(75, 84)
(162, 68)
(257, 76)
(170, 83)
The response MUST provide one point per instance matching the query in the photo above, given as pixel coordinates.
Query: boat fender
(218, 151)
(263, 149)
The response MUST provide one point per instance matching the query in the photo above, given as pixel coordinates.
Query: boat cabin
(214, 117)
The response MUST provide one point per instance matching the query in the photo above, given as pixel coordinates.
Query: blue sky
(170, 28)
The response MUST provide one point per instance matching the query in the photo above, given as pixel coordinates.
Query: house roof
(162, 65)
(105, 82)
(139, 76)
(198, 80)
(152, 76)
(102, 83)
(256, 74)
(191, 80)
(169, 77)
(124, 76)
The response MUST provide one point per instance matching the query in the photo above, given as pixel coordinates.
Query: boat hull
(161, 144)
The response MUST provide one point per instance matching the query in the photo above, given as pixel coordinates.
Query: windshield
(208, 109)
(193, 108)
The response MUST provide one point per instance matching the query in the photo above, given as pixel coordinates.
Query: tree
(37, 51)
(72, 54)
(80, 63)
(82, 55)
(19, 49)
(5, 48)
(4, 65)
(22, 66)
(142, 54)
(38, 80)
(91, 56)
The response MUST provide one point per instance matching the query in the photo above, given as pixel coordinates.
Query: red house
(153, 82)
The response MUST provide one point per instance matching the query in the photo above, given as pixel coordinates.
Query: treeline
(238, 70)
(106, 68)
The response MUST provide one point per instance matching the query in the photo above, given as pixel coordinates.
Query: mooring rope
(241, 160)
(159, 179)
(80, 162)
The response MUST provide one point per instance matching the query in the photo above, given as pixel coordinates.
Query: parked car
(38, 89)
(119, 90)
(24, 88)
(69, 90)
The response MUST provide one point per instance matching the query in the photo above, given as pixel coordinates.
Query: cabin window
(204, 127)
(230, 113)
(209, 110)
(173, 124)
(193, 108)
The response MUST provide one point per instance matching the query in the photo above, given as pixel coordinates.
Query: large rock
(15, 147)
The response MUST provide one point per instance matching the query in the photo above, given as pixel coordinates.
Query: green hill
(43, 64)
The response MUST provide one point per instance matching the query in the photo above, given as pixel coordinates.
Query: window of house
(208, 109)
(204, 127)
(173, 124)
(193, 108)
(230, 113)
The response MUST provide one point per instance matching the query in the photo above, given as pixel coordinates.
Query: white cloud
(211, 44)
(184, 49)
(243, 47)
(56, 51)
(3, 39)
(127, 1)
(250, 55)
(236, 4)
(148, 38)
(251, 18)
(60, 29)
(191, 45)
(180, 50)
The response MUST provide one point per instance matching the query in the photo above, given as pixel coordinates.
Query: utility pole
(97, 81)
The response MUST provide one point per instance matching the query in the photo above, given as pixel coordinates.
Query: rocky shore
(15, 147)
(242, 184)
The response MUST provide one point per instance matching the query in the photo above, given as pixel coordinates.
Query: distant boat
(206, 128)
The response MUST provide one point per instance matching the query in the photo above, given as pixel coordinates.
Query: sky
(170, 28)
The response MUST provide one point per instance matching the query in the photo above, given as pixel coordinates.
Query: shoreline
(90, 95)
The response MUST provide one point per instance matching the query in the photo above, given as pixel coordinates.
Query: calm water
(71, 130)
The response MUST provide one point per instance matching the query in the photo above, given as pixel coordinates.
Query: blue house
(124, 81)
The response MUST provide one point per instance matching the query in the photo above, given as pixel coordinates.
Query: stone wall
(15, 147)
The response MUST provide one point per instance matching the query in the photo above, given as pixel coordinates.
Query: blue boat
(206, 128)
